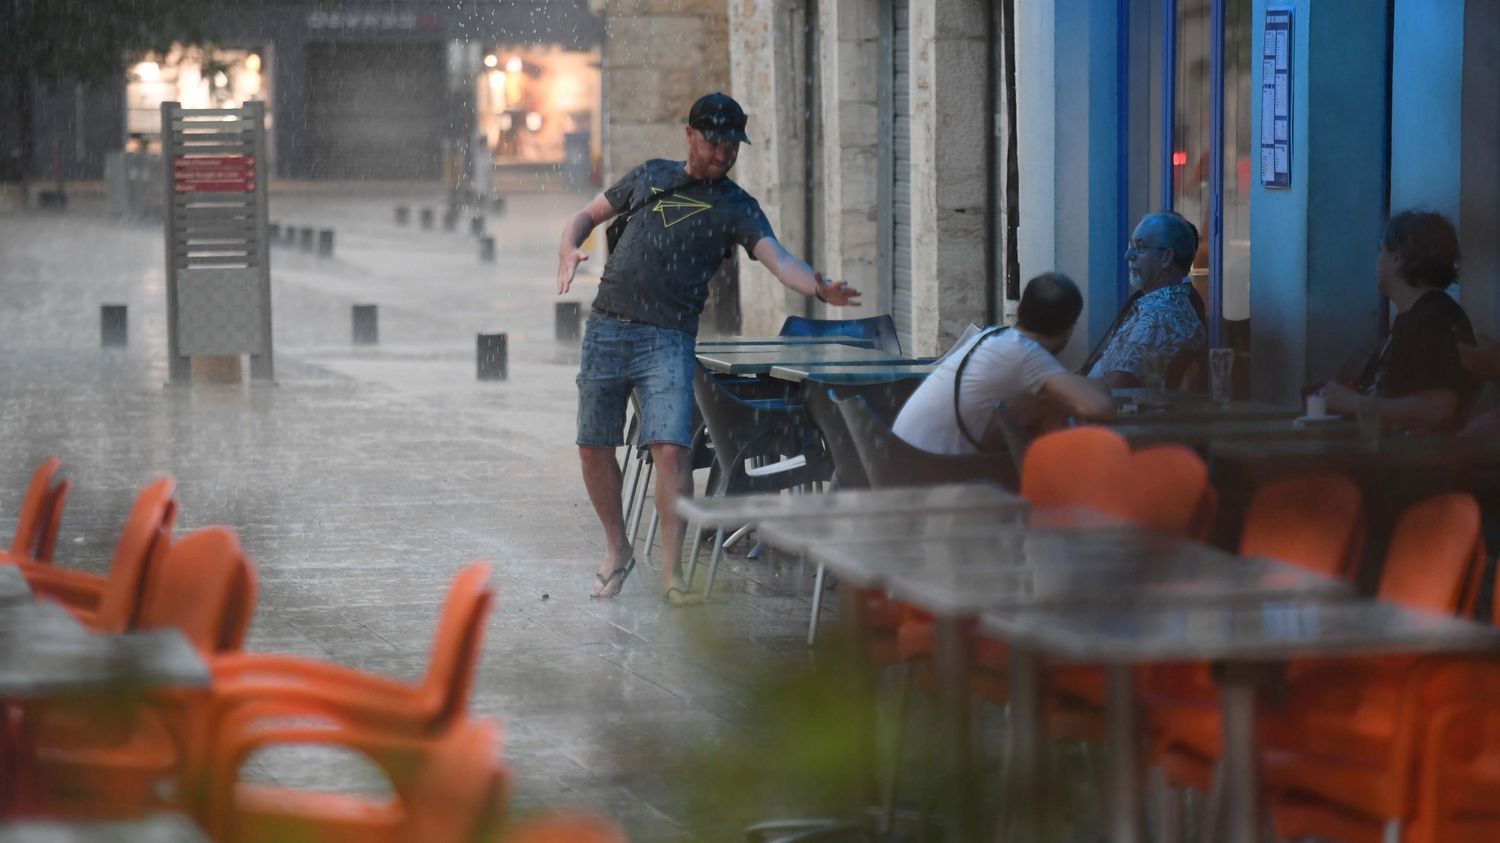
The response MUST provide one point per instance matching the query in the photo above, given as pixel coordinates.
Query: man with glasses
(1164, 315)
(680, 218)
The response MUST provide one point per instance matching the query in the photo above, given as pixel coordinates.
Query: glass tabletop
(729, 343)
(733, 510)
(159, 828)
(1208, 431)
(845, 373)
(743, 361)
(1139, 406)
(1272, 630)
(798, 535)
(1388, 452)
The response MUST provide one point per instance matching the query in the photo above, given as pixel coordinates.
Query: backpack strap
(958, 382)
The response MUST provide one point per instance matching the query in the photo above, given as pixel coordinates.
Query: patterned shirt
(1162, 319)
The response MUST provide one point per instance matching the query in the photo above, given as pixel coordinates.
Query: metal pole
(179, 368)
(1168, 102)
(1122, 145)
(1216, 178)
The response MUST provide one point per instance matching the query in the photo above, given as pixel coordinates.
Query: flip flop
(621, 572)
(678, 597)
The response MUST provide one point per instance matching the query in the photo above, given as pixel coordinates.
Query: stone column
(767, 67)
(659, 56)
(949, 171)
(848, 48)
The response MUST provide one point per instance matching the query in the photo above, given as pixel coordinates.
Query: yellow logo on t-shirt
(677, 208)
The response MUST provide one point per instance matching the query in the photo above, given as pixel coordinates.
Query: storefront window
(1191, 151)
(531, 99)
(195, 77)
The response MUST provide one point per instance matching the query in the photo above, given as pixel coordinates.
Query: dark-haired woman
(1418, 379)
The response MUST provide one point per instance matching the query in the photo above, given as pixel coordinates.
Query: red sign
(214, 174)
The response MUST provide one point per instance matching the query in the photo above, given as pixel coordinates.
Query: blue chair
(879, 330)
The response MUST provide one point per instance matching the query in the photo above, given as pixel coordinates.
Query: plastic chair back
(46, 542)
(30, 523)
(891, 461)
(145, 539)
(199, 587)
(879, 330)
(885, 398)
(741, 429)
(1310, 520)
(1078, 466)
(1432, 553)
(1167, 490)
(456, 645)
(462, 791)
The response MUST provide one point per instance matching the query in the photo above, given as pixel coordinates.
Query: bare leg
(601, 476)
(673, 476)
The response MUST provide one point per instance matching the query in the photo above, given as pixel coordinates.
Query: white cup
(1317, 405)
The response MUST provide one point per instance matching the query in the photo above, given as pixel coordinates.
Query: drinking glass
(1367, 413)
(1220, 369)
(1154, 372)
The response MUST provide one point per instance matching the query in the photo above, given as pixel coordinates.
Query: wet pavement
(367, 476)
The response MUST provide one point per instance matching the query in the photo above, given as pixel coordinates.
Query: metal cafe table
(1244, 639)
(964, 577)
(760, 361)
(752, 343)
(845, 373)
(46, 654)
(1141, 406)
(1205, 432)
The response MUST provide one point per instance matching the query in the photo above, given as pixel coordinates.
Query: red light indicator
(1179, 159)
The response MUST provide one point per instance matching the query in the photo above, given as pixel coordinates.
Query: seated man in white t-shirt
(1015, 366)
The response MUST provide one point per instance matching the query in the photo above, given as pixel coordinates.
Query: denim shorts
(658, 363)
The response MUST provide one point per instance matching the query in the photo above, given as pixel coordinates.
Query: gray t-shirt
(660, 269)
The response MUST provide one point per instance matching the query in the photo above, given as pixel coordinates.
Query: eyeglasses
(1137, 247)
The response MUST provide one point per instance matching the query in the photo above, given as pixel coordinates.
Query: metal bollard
(113, 329)
(476, 225)
(307, 239)
(569, 313)
(325, 243)
(487, 249)
(403, 215)
(450, 219)
(490, 357)
(366, 324)
(426, 219)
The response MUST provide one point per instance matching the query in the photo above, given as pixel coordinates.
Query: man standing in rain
(680, 219)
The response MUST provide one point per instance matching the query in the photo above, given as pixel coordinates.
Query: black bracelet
(818, 291)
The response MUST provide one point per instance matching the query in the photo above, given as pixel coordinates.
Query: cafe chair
(41, 510)
(1076, 467)
(445, 788)
(318, 688)
(116, 757)
(885, 399)
(1347, 738)
(110, 603)
(774, 432)
(564, 827)
(1458, 796)
(1313, 521)
(889, 461)
(879, 330)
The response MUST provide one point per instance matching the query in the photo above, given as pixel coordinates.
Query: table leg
(951, 659)
(1023, 769)
(1241, 788)
(1124, 761)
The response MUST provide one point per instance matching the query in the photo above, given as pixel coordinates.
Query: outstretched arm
(569, 256)
(797, 275)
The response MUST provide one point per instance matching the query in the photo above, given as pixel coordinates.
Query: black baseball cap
(719, 117)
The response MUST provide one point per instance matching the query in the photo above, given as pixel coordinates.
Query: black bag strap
(653, 197)
(958, 376)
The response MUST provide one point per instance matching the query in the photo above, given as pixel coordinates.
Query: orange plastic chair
(565, 827)
(109, 604)
(1458, 799)
(115, 757)
(447, 788)
(1076, 467)
(37, 512)
(321, 689)
(1314, 521)
(1347, 742)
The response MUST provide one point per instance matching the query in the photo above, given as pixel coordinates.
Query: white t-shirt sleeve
(1038, 367)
